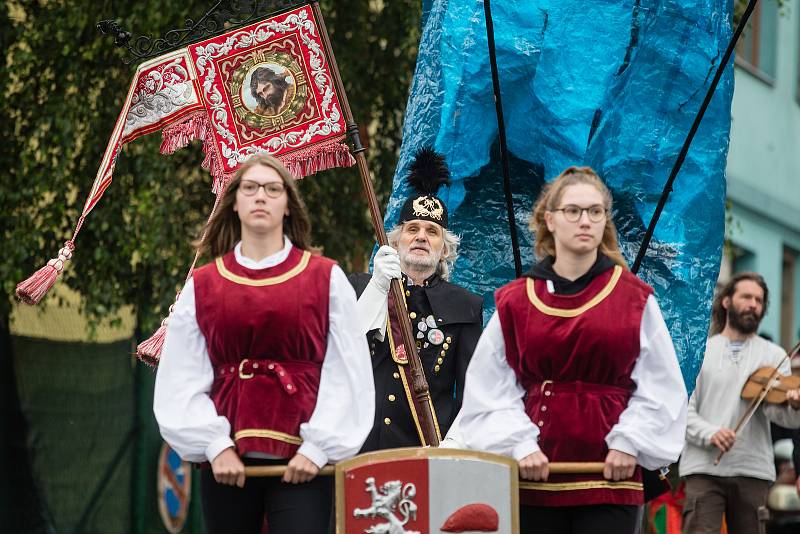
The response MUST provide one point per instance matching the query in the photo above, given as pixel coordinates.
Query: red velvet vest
(574, 355)
(266, 332)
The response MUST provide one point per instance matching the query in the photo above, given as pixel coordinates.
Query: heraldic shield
(427, 491)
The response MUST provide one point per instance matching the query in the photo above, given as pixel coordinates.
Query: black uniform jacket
(447, 321)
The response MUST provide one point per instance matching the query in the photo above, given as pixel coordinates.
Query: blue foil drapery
(614, 85)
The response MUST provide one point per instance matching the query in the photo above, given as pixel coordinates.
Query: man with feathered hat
(446, 319)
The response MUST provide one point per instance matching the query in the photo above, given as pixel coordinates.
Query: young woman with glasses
(263, 363)
(577, 365)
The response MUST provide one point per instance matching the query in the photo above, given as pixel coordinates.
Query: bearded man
(446, 319)
(736, 487)
(270, 90)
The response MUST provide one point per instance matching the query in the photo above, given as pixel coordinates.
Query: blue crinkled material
(610, 84)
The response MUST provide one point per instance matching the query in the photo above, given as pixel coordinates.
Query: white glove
(372, 304)
(454, 439)
(385, 267)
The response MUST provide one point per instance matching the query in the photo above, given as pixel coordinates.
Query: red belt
(576, 386)
(549, 388)
(248, 368)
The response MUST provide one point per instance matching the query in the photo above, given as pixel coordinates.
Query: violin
(758, 381)
(766, 384)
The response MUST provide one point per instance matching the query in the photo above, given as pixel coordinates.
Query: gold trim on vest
(294, 271)
(583, 485)
(409, 397)
(573, 312)
(411, 406)
(392, 349)
(435, 419)
(270, 434)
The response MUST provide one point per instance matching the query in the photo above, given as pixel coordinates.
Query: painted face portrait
(270, 89)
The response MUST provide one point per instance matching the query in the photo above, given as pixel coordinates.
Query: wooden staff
(279, 470)
(419, 384)
(581, 468)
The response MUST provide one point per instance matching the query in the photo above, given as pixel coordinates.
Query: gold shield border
(424, 453)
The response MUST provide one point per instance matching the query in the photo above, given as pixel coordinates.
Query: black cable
(498, 102)
(685, 149)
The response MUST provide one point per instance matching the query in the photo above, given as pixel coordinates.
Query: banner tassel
(177, 136)
(319, 158)
(149, 350)
(32, 290)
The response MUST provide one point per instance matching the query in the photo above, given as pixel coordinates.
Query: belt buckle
(242, 375)
(541, 388)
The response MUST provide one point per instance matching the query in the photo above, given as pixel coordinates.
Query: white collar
(270, 261)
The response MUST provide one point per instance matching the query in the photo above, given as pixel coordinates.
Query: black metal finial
(110, 27)
(222, 16)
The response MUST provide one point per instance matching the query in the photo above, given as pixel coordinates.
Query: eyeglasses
(272, 189)
(573, 213)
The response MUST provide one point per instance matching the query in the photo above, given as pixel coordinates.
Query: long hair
(267, 75)
(449, 251)
(224, 229)
(549, 199)
(719, 315)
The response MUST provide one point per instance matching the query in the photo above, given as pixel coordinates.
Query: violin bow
(758, 399)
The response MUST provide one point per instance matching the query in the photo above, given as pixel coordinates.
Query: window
(788, 286)
(757, 47)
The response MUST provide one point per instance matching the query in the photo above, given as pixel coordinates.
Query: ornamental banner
(263, 88)
(427, 491)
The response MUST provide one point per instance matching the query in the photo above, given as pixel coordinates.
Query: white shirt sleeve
(185, 413)
(373, 310)
(653, 426)
(454, 439)
(345, 408)
(492, 416)
(698, 430)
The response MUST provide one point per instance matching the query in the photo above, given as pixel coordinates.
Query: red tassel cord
(39, 283)
(149, 350)
(197, 127)
(318, 158)
(177, 136)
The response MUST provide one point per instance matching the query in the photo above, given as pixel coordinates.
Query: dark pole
(498, 105)
(685, 149)
(419, 384)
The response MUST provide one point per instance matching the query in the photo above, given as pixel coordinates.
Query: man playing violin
(737, 485)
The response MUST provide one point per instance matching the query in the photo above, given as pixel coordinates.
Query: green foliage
(63, 86)
(739, 7)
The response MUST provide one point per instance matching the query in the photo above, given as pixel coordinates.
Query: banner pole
(419, 383)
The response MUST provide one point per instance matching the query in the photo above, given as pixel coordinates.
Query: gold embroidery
(294, 271)
(426, 206)
(409, 397)
(397, 359)
(573, 312)
(270, 434)
(412, 407)
(582, 485)
(435, 419)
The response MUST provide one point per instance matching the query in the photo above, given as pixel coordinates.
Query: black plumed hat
(427, 173)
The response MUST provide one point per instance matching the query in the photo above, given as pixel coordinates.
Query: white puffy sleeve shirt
(344, 412)
(651, 428)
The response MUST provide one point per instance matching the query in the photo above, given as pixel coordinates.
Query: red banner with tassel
(266, 87)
